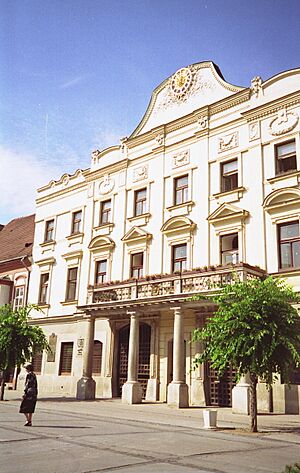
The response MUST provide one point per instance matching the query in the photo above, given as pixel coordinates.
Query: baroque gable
(187, 90)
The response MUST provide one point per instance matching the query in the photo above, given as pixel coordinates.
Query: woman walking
(27, 406)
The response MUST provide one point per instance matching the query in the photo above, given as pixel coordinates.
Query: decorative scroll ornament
(283, 123)
(181, 159)
(80, 345)
(140, 173)
(254, 131)
(228, 142)
(106, 185)
(202, 122)
(66, 180)
(123, 145)
(160, 139)
(95, 156)
(256, 86)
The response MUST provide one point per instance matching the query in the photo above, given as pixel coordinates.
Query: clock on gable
(181, 81)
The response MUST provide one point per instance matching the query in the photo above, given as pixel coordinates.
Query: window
(44, 282)
(105, 211)
(97, 357)
(19, 297)
(180, 190)
(76, 222)
(179, 258)
(137, 265)
(229, 173)
(140, 202)
(100, 273)
(37, 362)
(285, 154)
(66, 355)
(71, 284)
(230, 249)
(289, 245)
(49, 230)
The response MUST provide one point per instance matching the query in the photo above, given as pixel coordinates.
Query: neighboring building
(209, 180)
(16, 241)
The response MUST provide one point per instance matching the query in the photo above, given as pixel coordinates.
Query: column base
(240, 399)
(132, 393)
(86, 389)
(178, 395)
(152, 390)
(198, 397)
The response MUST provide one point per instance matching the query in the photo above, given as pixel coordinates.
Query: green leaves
(18, 337)
(256, 329)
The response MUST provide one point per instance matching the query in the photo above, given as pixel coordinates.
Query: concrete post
(178, 389)
(240, 396)
(132, 390)
(86, 386)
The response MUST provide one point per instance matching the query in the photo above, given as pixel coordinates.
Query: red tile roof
(16, 238)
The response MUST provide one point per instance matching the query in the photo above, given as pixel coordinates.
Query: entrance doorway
(220, 388)
(144, 356)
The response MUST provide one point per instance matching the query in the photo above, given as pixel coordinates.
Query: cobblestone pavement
(105, 436)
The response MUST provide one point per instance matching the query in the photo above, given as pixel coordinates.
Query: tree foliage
(256, 330)
(18, 338)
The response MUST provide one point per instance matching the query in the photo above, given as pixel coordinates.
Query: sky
(77, 75)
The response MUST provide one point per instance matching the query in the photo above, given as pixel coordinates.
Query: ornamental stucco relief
(283, 123)
(180, 159)
(229, 141)
(254, 131)
(106, 185)
(256, 86)
(202, 122)
(140, 173)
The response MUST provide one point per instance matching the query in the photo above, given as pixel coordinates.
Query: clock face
(181, 81)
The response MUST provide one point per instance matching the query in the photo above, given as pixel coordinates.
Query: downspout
(28, 276)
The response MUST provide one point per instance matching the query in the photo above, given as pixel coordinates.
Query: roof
(16, 238)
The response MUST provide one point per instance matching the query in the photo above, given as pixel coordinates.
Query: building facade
(16, 242)
(206, 184)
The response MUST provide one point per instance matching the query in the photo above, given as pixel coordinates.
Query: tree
(256, 330)
(18, 339)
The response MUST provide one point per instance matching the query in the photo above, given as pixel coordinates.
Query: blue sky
(77, 75)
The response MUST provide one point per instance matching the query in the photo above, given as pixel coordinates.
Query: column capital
(176, 308)
(133, 313)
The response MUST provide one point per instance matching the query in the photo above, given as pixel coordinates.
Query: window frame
(71, 283)
(280, 160)
(140, 202)
(180, 190)
(229, 176)
(286, 241)
(97, 358)
(98, 273)
(18, 298)
(104, 212)
(76, 227)
(179, 260)
(44, 286)
(63, 363)
(139, 268)
(49, 229)
(232, 251)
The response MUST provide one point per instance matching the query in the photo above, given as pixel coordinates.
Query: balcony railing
(188, 282)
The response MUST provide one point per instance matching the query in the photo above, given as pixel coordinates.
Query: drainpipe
(23, 259)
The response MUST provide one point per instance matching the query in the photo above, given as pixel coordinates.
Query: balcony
(202, 280)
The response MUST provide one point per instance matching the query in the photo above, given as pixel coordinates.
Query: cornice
(56, 319)
(109, 169)
(229, 102)
(59, 193)
(266, 109)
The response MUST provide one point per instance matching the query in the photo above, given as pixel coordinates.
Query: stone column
(153, 381)
(198, 388)
(178, 389)
(240, 396)
(86, 386)
(132, 390)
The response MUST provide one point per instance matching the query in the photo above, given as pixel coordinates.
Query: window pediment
(178, 224)
(101, 243)
(282, 200)
(135, 234)
(227, 212)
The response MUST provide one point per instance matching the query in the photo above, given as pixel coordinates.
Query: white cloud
(72, 82)
(20, 175)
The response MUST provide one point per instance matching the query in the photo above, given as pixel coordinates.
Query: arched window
(97, 358)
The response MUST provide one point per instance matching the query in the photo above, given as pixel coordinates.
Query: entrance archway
(144, 356)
